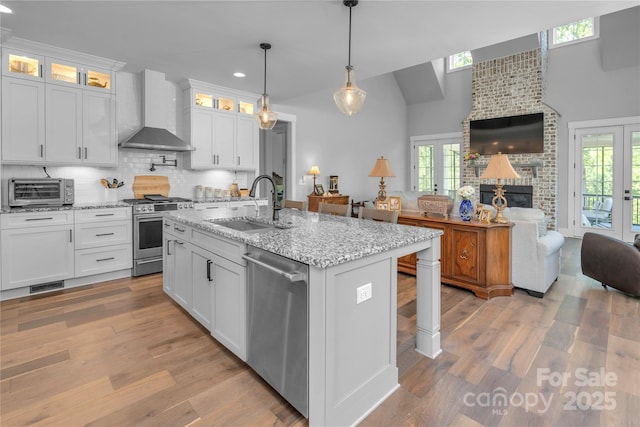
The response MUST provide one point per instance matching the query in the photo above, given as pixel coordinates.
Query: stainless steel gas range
(147, 230)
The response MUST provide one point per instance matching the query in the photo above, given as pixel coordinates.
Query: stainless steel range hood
(153, 135)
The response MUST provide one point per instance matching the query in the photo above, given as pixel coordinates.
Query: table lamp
(314, 171)
(381, 169)
(499, 168)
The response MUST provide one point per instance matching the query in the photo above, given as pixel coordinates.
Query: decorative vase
(466, 210)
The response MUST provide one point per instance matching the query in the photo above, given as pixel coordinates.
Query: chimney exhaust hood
(153, 135)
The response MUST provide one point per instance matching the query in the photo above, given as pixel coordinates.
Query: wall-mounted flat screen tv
(508, 135)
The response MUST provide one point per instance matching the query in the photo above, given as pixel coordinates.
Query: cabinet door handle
(238, 160)
(85, 79)
(465, 254)
(79, 78)
(41, 71)
(167, 224)
(79, 152)
(85, 152)
(41, 150)
(39, 219)
(179, 242)
(105, 259)
(70, 236)
(209, 262)
(105, 214)
(181, 230)
(168, 244)
(105, 234)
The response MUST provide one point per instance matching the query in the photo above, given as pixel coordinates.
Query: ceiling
(209, 40)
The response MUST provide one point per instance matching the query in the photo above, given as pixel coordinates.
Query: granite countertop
(75, 206)
(227, 199)
(316, 239)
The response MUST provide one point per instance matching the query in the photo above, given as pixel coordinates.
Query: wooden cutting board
(150, 184)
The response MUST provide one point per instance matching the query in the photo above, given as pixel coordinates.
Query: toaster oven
(40, 192)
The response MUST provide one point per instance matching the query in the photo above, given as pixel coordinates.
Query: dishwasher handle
(293, 276)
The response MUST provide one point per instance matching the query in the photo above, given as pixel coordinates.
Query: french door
(436, 163)
(607, 180)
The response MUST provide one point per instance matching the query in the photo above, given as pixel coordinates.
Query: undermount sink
(245, 225)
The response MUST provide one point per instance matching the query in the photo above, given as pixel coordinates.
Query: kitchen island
(351, 345)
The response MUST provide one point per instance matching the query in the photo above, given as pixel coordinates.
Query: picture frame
(485, 216)
(319, 190)
(382, 204)
(395, 203)
(478, 211)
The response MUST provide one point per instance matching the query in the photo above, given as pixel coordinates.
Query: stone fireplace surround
(511, 86)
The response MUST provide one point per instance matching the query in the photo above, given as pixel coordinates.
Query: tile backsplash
(130, 163)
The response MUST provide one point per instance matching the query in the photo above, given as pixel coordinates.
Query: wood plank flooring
(121, 353)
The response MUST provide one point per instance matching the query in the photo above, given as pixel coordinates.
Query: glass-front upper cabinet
(226, 103)
(73, 74)
(204, 100)
(22, 64)
(62, 72)
(245, 106)
(97, 79)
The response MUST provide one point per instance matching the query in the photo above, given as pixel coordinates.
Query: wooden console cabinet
(474, 256)
(313, 202)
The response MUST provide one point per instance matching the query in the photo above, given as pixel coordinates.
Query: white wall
(349, 146)
(577, 87)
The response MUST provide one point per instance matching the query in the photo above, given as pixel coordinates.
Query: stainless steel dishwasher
(277, 323)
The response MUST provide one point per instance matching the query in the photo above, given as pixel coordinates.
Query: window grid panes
(635, 180)
(597, 161)
(460, 60)
(425, 168)
(451, 168)
(583, 29)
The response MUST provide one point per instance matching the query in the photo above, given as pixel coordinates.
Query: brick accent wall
(511, 86)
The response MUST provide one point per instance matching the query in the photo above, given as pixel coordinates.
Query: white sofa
(535, 251)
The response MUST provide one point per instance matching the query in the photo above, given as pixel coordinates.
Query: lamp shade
(381, 168)
(499, 167)
(350, 97)
(314, 170)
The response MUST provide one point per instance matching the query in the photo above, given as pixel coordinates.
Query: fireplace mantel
(533, 165)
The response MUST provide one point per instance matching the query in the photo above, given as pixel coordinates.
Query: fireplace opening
(520, 196)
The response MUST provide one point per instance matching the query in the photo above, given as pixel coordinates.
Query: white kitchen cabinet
(228, 302)
(22, 64)
(69, 119)
(205, 274)
(23, 120)
(99, 129)
(36, 248)
(178, 272)
(247, 139)
(202, 280)
(221, 127)
(63, 124)
(103, 240)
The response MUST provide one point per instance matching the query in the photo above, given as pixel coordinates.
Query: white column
(428, 300)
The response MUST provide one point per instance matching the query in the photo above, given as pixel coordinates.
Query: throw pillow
(636, 243)
(532, 215)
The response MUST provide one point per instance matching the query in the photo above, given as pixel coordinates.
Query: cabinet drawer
(210, 206)
(36, 219)
(227, 248)
(94, 235)
(100, 215)
(103, 260)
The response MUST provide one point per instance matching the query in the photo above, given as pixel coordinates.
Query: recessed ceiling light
(239, 74)
(5, 9)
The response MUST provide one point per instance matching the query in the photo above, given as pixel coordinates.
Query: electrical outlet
(363, 293)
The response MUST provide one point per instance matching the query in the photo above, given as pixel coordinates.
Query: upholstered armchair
(611, 262)
(535, 251)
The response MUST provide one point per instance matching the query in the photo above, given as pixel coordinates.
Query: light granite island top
(352, 364)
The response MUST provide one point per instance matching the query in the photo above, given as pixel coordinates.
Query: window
(460, 61)
(575, 32)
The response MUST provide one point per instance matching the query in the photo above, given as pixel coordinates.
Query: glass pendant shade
(350, 97)
(266, 118)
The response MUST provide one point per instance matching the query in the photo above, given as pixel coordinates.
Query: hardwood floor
(121, 353)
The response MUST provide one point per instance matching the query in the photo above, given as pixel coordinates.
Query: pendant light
(266, 118)
(350, 97)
